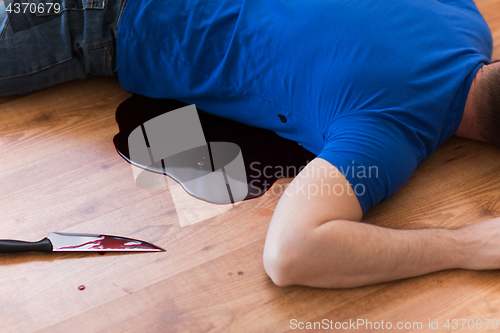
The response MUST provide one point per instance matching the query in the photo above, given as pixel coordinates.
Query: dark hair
(488, 102)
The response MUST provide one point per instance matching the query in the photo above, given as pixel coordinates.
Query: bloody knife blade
(64, 242)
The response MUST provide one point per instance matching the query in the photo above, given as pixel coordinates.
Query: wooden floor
(59, 172)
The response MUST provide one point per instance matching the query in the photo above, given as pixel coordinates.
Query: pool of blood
(257, 145)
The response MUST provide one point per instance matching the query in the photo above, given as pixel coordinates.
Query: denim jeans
(77, 42)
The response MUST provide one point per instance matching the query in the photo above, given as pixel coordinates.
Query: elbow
(286, 270)
(280, 265)
(290, 264)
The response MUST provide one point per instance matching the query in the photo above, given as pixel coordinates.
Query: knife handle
(14, 246)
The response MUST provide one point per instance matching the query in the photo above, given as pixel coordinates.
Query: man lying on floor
(371, 87)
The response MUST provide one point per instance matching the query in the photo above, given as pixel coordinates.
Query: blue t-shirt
(373, 87)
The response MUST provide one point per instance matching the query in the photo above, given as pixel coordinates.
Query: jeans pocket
(33, 43)
(27, 14)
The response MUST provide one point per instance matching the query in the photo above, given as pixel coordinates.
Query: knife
(64, 242)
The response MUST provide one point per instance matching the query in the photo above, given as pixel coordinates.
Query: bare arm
(318, 241)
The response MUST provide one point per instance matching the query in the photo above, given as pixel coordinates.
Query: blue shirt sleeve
(376, 153)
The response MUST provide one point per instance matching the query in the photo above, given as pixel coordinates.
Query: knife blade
(70, 242)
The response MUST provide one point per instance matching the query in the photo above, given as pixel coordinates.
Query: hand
(481, 245)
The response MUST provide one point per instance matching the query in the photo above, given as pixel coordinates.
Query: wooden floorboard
(60, 172)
